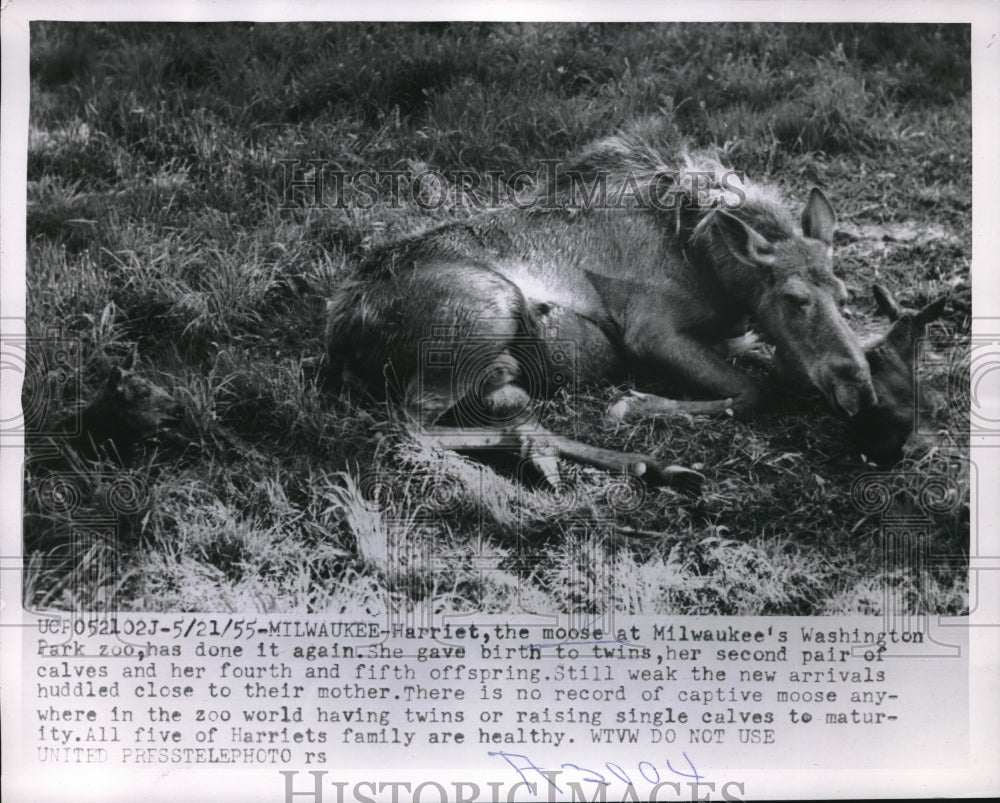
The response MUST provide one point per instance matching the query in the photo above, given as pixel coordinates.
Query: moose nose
(851, 389)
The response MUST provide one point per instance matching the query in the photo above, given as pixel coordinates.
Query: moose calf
(126, 411)
(885, 431)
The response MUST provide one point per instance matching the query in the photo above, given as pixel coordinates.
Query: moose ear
(886, 303)
(818, 219)
(114, 377)
(130, 359)
(931, 312)
(746, 244)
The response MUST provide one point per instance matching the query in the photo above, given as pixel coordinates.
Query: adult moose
(466, 323)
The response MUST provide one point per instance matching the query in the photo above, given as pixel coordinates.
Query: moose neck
(737, 245)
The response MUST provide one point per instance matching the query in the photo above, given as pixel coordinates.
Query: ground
(155, 220)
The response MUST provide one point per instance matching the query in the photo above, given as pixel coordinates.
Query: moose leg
(691, 364)
(537, 441)
(542, 448)
(500, 398)
(634, 406)
(652, 471)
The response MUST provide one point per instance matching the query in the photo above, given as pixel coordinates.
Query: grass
(155, 220)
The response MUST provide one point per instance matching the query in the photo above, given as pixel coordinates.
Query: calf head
(128, 409)
(885, 431)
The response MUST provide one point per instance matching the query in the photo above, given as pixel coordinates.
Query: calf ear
(818, 218)
(114, 377)
(886, 302)
(931, 312)
(743, 242)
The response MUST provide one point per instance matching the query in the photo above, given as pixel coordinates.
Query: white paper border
(981, 778)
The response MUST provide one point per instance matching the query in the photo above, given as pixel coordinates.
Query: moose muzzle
(848, 388)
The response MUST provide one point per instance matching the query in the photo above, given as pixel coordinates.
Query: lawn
(158, 220)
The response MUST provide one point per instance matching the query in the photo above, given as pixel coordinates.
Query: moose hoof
(548, 466)
(686, 480)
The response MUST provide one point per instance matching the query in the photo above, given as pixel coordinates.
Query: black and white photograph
(557, 325)
(523, 317)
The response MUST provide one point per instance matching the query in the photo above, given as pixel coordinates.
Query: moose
(127, 410)
(883, 431)
(467, 324)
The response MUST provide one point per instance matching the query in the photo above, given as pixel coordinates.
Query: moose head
(127, 410)
(885, 431)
